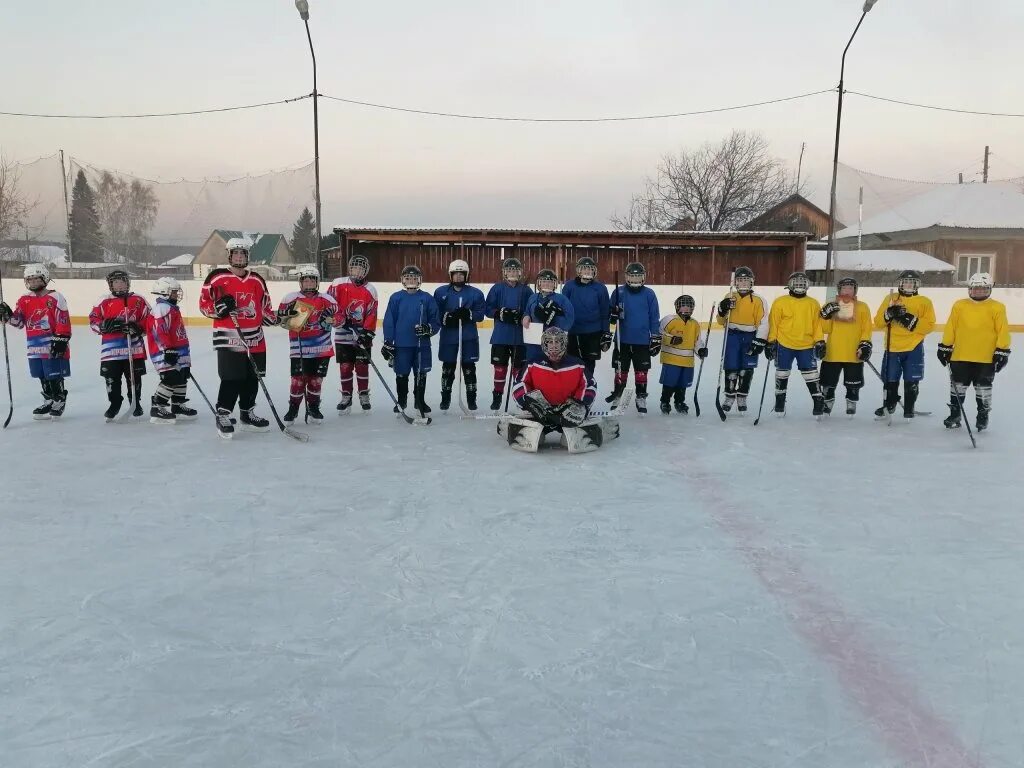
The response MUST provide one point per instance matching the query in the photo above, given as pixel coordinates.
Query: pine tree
(304, 238)
(84, 228)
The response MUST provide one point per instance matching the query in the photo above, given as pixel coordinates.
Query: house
(878, 267)
(794, 214)
(972, 227)
(269, 254)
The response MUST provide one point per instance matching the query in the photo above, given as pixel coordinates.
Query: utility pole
(984, 173)
(800, 166)
(67, 212)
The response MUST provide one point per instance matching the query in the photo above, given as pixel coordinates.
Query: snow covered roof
(877, 261)
(998, 205)
(184, 260)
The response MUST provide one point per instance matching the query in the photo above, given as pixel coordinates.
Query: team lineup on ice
(550, 373)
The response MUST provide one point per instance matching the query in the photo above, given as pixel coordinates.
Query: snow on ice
(798, 594)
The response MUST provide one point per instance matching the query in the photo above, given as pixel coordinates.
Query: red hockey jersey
(43, 316)
(253, 309)
(166, 330)
(357, 304)
(132, 309)
(315, 341)
(557, 382)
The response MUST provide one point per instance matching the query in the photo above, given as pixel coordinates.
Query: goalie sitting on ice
(556, 393)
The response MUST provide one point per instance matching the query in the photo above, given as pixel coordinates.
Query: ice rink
(795, 595)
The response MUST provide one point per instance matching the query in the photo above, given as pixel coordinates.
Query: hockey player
(795, 335)
(354, 333)
(556, 393)
(506, 304)
(409, 322)
(169, 351)
(745, 314)
(589, 335)
(461, 306)
(548, 308)
(906, 318)
(120, 318)
(43, 313)
(976, 346)
(848, 325)
(236, 294)
(309, 316)
(634, 310)
(680, 341)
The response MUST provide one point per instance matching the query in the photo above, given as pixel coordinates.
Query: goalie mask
(743, 280)
(685, 306)
(512, 270)
(309, 280)
(586, 270)
(547, 281)
(909, 282)
(36, 276)
(636, 275)
(798, 284)
(412, 277)
(554, 342)
(979, 287)
(358, 269)
(119, 283)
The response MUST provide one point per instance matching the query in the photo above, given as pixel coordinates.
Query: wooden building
(794, 214)
(671, 258)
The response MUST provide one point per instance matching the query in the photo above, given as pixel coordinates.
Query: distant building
(268, 255)
(878, 267)
(794, 214)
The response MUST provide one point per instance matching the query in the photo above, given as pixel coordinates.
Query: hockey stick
(616, 352)
(300, 436)
(510, 376)
(885, 362)
(208, 404)
(133, 393)
(700, 371)
(764, 388)
(7, 364)
(458, 367)
(725, 340)
(401, 411)
(963, 413)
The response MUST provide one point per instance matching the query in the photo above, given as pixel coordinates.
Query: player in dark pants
(589, 335)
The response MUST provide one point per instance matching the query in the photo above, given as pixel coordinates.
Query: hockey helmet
(798, 284)
(636, 274)
(979, 287)
(743, 280)
(685, 306)
(586, 269)
(169, 288)
(308, 272)
(554, 342)
(36, 273)
(358, 269)
(122, 276)
(411, 277)
(847, 282)
(909, 282)
(238, 252)
(512, 270)
(547, 281)
(459, 266)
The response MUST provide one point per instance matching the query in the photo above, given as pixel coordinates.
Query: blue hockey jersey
(405, 311)
(565, 318)
(448, 300)
(505, 296)
(590, 303)
(640, 316)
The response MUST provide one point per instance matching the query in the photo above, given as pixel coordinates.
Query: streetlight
(303, 8)
(829, 276)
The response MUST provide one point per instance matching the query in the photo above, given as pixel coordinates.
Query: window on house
(968, 264)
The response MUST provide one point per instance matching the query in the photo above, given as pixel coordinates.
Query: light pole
(303, 7)
(829, 276)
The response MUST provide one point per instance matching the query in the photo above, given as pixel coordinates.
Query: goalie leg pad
(590, 435)
(521, 434)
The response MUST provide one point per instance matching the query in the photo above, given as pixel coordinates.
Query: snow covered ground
(799, 594)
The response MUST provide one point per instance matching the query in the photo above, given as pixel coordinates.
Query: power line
(935, 108)
(508, 119)
(161, 114)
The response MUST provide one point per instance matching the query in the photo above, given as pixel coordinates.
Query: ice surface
(799, 594)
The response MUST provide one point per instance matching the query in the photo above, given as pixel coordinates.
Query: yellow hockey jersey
(975, 329)
(679, 354)
(845, 335)
(749, 314)
(795, 322)
(901, 339)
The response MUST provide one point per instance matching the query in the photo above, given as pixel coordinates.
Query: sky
(575, 58)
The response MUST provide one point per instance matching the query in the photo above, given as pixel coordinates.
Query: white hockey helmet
(308, 272)
(456, 267)
(238, 251)
(34, 272)
(168, 287)
(979, 287)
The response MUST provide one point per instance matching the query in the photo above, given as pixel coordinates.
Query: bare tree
(127, 211)
(715, 187)
(14, 206)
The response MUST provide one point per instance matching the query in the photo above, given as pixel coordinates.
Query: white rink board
(802, 594)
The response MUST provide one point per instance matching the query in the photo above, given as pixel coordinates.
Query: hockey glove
(388, 351)
(675, 341)
(224, 306)
(5, 312)
(422, 330)
(326, 321)
(171, 356)
(352, 323)
(573, 413)
(907, 320)
(945, 354)
(894, 312)
(616, 313)
(112, 325)
(726, 305)
(655, 344)
(59, 346)
(864, 350)
(364, 338)
(757, 346)
(606, 341)
(828, 310)
(288, 310)
(450, 320)
(507, 315)
(819, 349)
(1000, 358)
(702, 352)
(547, 313)
(133, 329)
(465, 314)
(770, 350)
(537, 405)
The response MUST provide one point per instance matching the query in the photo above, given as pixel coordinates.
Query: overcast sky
(575, 58)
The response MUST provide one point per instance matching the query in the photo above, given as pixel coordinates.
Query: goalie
(556, 393)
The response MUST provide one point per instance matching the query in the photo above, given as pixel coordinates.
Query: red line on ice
(916, 734)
